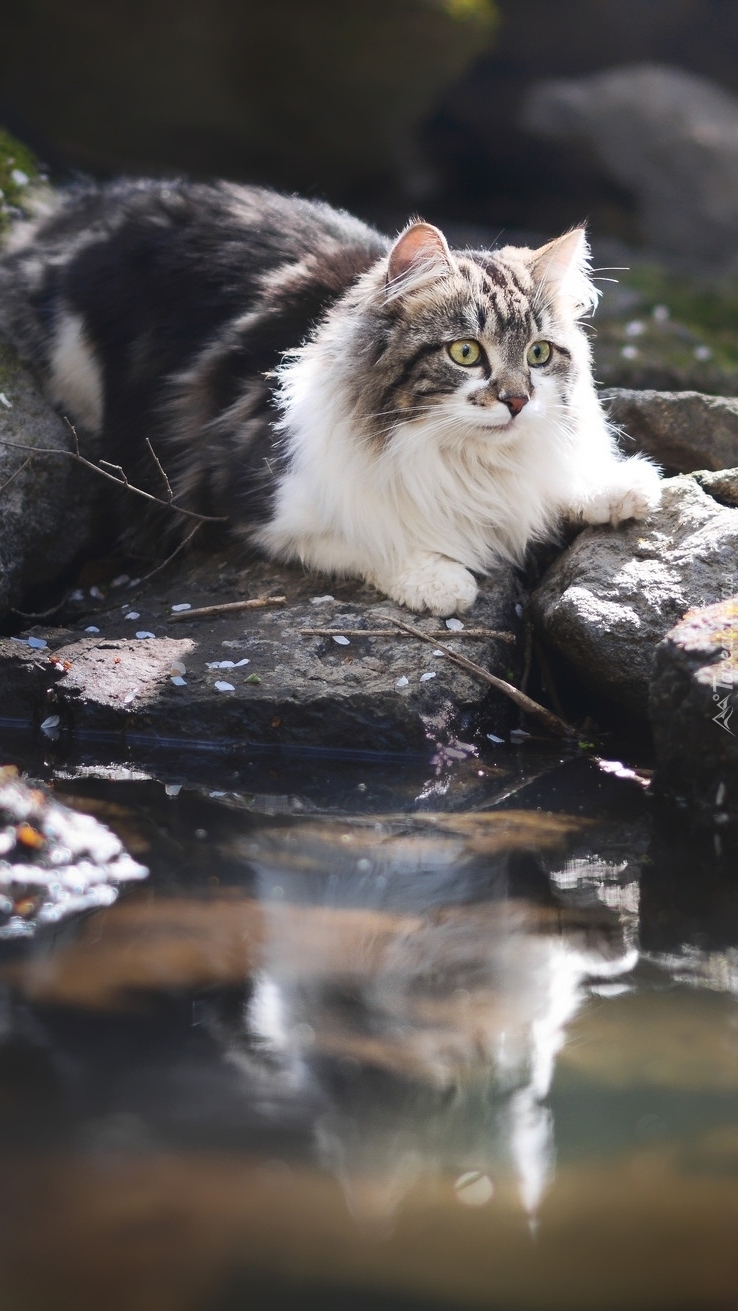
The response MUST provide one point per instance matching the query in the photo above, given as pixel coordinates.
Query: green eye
(539, 353)
(465, 352)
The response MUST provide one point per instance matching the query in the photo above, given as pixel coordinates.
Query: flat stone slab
(254, 676)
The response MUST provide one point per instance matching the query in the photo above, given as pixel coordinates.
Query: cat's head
(475, 343)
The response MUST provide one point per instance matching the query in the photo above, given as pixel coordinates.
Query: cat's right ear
(419, 256)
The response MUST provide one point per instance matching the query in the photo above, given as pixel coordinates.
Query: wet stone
(288, 686)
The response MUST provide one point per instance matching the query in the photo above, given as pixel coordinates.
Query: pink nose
(513, 403)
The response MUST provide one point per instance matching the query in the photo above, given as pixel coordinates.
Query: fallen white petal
(179, 681)
(402, 682)
(342, 641)
(38, 643)
(183, 605)
(224, 687)
(92, 629)
(321, 600)
(455, 625)
(143, 633)
(132, 614)
(430, 674)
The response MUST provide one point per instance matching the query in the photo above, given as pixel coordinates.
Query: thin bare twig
(120, 482)
(117, 469)
(157, 462)
(18, 471)
(44, 614)
(257, 603)
(475, 633)
(157, 570)
(552, 722)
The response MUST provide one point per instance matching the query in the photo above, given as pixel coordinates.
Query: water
(377, 1034)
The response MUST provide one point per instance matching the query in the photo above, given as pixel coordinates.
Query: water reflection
(462, 1005)
(407, 1056)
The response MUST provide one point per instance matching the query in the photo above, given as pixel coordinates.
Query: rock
(682, 431)
(279, 686)
(607, 602)
(668, 137)
(45, 504)
(53, 860)
(693, 701)
(721, 486)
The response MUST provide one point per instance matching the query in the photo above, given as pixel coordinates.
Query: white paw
(632, 492)
(433, 583)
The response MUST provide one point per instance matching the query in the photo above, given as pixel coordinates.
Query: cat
(392, 410)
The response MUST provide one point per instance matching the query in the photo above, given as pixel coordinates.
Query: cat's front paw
(433, 583)
(632, 492)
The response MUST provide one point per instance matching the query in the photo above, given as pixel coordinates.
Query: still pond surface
(377, 1035)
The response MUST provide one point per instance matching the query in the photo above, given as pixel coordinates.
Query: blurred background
(371, 103)
(521, 117)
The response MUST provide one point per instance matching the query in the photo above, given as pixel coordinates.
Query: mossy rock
(18, 170)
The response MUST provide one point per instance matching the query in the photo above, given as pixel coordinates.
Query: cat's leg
(619, 490)
(428, 582)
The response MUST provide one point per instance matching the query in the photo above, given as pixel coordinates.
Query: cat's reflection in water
(429, 1037)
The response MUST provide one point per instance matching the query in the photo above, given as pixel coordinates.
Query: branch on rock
(551, 721)
(435, 633)
(118, 477)
(256, 603)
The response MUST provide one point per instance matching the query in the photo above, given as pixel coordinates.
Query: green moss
(18, 168)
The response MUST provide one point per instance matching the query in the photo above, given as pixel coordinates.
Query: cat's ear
(561, 271)
(419, 256)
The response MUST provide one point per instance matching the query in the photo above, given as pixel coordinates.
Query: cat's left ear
(419, 256)
(561, 270)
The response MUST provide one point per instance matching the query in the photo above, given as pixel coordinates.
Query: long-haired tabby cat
(396, 411)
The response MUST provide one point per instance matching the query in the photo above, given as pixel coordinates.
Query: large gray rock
(281, 686)
(607, 602)
(722, 485)
(45, 505)
(682, 431)
(667, 136)
(693, 707)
